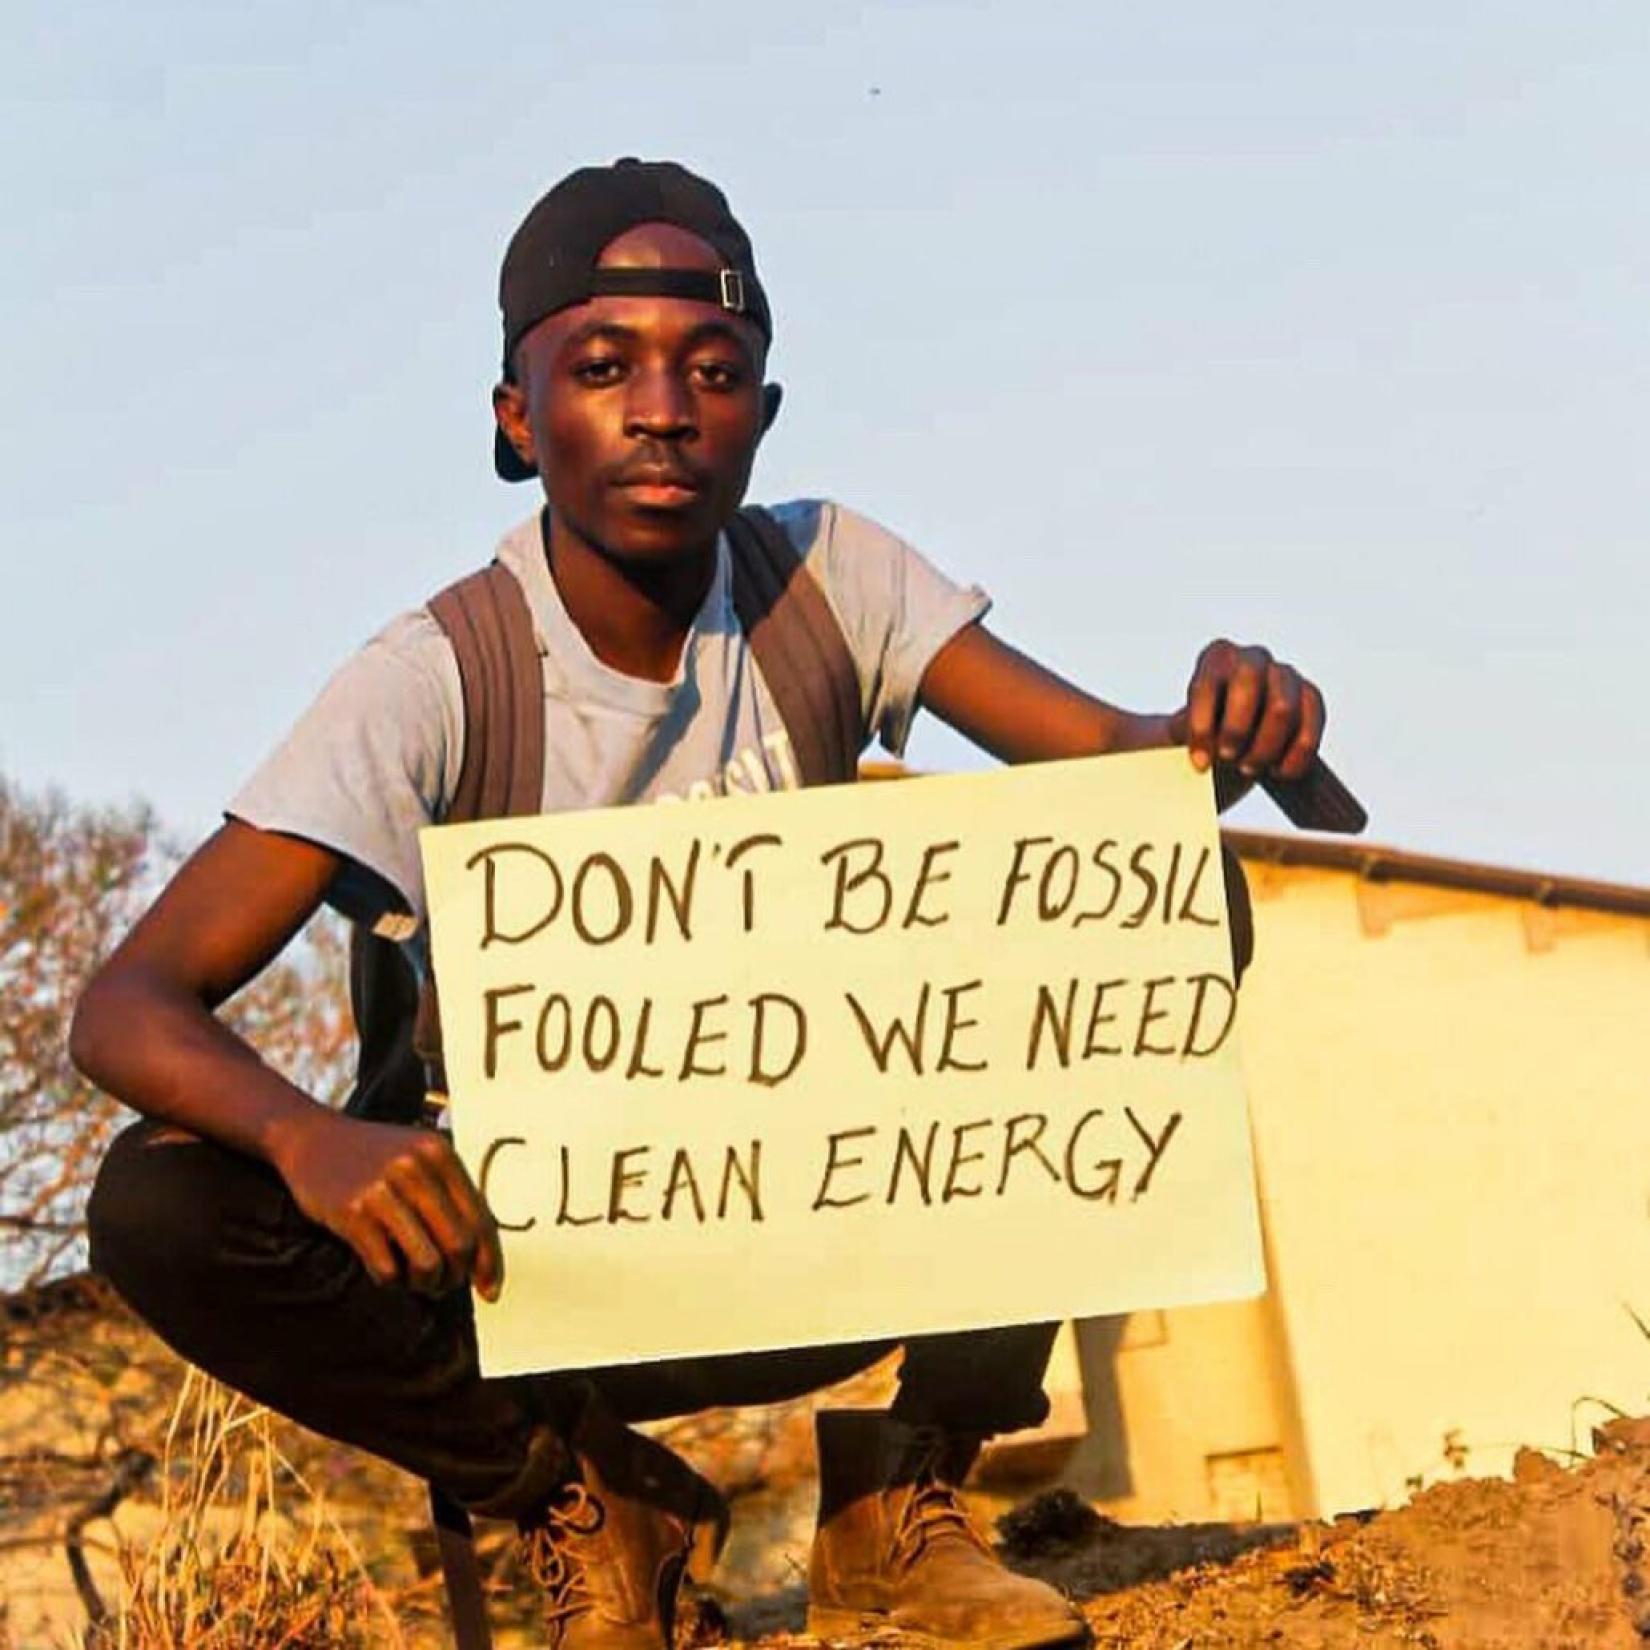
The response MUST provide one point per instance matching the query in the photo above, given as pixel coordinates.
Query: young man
(318, 1261)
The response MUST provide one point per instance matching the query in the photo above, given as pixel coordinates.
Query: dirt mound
(1556, 1559)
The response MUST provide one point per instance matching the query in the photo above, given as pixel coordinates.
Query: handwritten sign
(847, 1063)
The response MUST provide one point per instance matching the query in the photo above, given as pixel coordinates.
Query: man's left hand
(1248, 711)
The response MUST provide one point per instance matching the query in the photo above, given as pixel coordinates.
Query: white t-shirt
(377, 756)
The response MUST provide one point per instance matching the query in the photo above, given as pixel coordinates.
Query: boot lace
(934, 1508)
(550, 1549)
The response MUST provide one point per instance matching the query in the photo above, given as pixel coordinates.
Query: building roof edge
(1381, 864)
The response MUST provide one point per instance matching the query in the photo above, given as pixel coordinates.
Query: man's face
(642, 414)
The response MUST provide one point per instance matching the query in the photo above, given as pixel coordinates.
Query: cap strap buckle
(733, 290)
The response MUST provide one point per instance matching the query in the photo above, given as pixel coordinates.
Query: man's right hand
(398, 1196)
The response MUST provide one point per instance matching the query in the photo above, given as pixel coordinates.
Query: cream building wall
(1450, 1093)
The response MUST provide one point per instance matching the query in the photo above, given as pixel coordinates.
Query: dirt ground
(1555, 1559)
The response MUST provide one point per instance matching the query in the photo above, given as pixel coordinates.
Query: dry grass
(244, 1554)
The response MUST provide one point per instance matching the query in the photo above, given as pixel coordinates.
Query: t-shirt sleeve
(370, 763)
(896, 609)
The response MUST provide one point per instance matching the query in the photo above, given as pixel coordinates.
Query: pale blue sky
(1316, 324)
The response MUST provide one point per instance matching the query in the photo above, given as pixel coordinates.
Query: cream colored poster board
(846, 1063)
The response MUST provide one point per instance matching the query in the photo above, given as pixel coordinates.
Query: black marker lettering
(621, 1183)
(1105, 1189)
(1100, 862)
(1155, 1145)
(1017, 874)
(547, 1060)
(682, 1179)
(834, 1162)
(1035, 1125)
(487, 859)
(624, 902)
(750, 1181)
(1169, 883)
(680, 897)
(922, 1168)
(1150, 1015)
(1191, 1049)
(601, 1046)
(772, 1076)
(1138, 864)
(697, 1036)
(846, 883)
(954, 1026)
(482, 1176)
(638, 1066)
(1187, 914)
(1057, 887)
(763, 839)
(563, 1217)
(493, 1027)
(1058, 1022)
(1091, 1043)
(927, 878)
(882, 1047)
(961, 1159)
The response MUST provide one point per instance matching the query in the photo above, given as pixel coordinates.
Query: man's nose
(660, 405)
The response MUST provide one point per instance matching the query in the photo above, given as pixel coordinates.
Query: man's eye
(599, 370)
(718, 375)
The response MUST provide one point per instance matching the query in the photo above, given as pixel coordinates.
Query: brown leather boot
(897, 1550)
(612, 1546)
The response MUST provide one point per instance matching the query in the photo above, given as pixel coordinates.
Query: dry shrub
(72, 881)
(245, 1554)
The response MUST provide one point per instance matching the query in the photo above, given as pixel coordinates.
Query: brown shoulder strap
(488, 622)
(799, 648)
(455, 1543)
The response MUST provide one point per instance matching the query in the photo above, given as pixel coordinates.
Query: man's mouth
(658, 486)
(660, 495)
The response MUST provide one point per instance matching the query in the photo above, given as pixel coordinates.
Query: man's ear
(772, 395)
(510, 411)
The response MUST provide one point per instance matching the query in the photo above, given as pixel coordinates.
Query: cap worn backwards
(552, 260)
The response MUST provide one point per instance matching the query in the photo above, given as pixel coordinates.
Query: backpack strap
(487, 620)
(460, 1570)
(799, 648)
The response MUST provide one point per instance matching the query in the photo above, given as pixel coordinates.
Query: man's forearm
(1019, 711)
(160, 1051)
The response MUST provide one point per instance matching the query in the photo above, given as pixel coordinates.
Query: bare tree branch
(72, 880)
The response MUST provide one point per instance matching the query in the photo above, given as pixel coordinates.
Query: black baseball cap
(550, 263)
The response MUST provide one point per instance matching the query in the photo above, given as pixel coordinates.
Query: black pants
(208, 1246)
